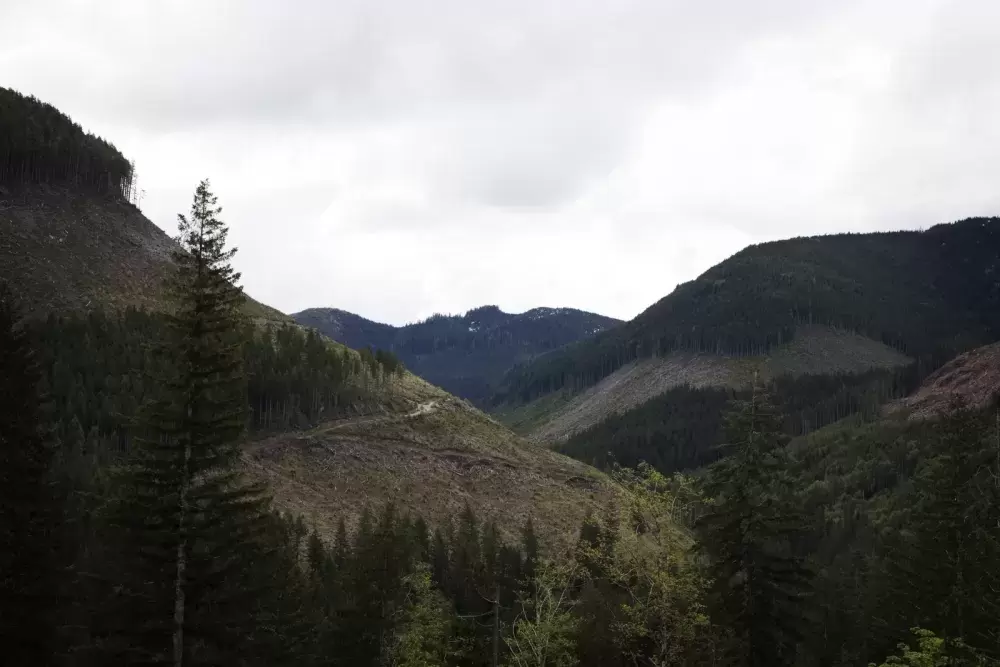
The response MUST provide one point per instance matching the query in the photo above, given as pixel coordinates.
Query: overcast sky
(405, 157)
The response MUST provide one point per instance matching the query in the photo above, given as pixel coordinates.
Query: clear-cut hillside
(430, 453)
(71, 250)
(972, 379)
(815, 350)
(883, 300)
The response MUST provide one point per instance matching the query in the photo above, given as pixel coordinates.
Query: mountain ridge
(465, 354)
(924, 295)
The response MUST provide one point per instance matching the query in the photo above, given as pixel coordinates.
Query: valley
(814, 417)
(467, 355)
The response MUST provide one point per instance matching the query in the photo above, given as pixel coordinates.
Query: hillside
(468, 354)
(333, 429)
(816, 350)
(822, 305)
(972, 378)
(432, 454)
(71, 250)
(69, 238)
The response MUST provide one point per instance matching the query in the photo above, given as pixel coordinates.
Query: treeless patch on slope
(637, 383)
(430, 459)
(815, 350)
(821, 350)
(973, 377)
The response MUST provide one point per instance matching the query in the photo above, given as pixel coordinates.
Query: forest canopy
(40, 144)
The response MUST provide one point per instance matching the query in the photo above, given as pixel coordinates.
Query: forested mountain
(468, 354)
(187, 485)
(70, 237)
(928, 294)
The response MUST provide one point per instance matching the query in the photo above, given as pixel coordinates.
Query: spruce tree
(945, 573)
(31, 509)
(759, 586)
(187, 526)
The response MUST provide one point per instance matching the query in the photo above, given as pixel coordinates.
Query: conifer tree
(759, 586)
(188, 527)
(945, 572)
(30, 502)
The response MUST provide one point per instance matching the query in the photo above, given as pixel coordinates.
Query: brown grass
(430, 459)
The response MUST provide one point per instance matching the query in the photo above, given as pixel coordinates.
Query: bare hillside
(66, 250)
(814, 350)
(432, 457)
(973, 377)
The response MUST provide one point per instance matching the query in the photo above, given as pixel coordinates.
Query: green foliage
(748, 532)
(189, 531)
(98, 367)
(543, 635)
(643, 590)
(943, 564)
(677, 430)
(931, 651)
(930, 294)
(32, 502)
(424, 634)
(468, 354)
(681, 428)
(39, 144)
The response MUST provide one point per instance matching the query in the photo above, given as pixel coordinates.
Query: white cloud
(399, 158)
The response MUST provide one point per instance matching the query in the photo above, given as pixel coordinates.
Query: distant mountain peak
(464, 354)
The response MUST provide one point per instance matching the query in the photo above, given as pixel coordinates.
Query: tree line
(929, 294)
(98, 370)
(40, 144)
(170, 556)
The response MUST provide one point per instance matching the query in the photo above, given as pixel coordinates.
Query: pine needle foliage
(29, 499)
(746, 535)
(188, 526)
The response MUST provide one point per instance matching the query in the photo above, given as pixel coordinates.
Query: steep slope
(332, 429)
(465, 354)
(972, 378)
(432, 455)
(923, 295)
(71, 250)
(875, 458)
(816, 350)
(69, 238)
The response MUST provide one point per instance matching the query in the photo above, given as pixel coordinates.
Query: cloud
(399, 158)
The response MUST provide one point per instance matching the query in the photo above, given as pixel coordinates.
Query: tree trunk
(179, 580)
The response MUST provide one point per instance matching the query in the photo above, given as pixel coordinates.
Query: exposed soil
(973, 377)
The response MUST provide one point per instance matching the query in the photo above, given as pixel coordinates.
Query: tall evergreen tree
(758, 584)
(31, 509)
(188, 527)
(945, 572)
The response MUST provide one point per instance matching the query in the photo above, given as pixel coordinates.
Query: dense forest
(467, 355)
(930, 294)
(847, 547)
(98, 365)
(682, 428)
(41, 145)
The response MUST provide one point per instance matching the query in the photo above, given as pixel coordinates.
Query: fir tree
(188, 527)
(29, 498)
(758, 585)
(944, 571)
